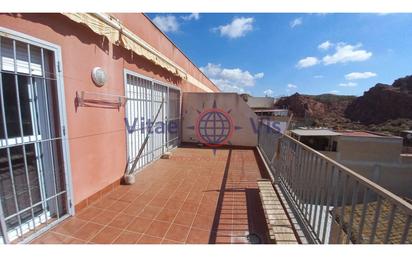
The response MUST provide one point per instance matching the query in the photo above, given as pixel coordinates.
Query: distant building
(255, 102)
(264, 108)
(407, 141)
(375, 156)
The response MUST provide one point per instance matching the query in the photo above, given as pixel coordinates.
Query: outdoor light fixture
(98, 76)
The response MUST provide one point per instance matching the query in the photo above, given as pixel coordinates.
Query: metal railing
(336, 204)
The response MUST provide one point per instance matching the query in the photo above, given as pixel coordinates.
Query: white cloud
(360, 75)
(192, 16)
(349, 84)
(259, 75)
(166, 23)
(268, 92)
(231, 80)
(334, 91)
(291, 88)
(318, 76)
(347, 53)
(325, 45)
(296, 22)
(307, 62)
(237, 28)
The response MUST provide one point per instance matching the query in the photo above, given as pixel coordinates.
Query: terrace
(194, 197)
(202, 196)
(263, 187)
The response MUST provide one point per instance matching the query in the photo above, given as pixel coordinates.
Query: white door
(33, 182)
(145, 99)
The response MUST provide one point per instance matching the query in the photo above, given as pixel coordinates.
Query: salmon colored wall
(97, 138)
(146, 30)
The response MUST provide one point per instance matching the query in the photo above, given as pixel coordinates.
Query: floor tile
(150, 212)
(106, 236)
(139, 225)
(145, 239)
(127, 237)
(190, 206)
(119, 206)
(157, 229)
(173, 204)
(69, 226)
(197, 236)
(185, 218)
(88, 213)
(105, 217)
(177, 233)
(50, 238)
(203, 222)
(121, 221)
(88, 231)
(167, 215)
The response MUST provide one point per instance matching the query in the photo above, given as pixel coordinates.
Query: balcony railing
(334, 203)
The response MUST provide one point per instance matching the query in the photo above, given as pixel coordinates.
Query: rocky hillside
(383, 102)
(383, 108)
(319, 110)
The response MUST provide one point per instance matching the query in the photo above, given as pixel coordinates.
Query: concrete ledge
(280, 228)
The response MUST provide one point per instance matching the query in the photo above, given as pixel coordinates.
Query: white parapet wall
(202, 115)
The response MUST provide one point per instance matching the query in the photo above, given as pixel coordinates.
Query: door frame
(12, 34)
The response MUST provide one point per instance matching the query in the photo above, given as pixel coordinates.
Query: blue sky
(280, 54)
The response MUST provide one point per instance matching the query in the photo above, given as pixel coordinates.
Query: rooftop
(360, 134)
(315, 132)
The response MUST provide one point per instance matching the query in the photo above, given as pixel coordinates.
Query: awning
(117, 34)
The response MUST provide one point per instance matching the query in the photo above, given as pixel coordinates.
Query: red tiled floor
(167, 215)
(150, 212)
(145, 239)
(139, 225)
(119, 205)
(167, 241)
(50, 238)
(177, 233)
(197, 196)
(174, 204)
(197, 236)
(159, 201)
(127, 237)
(203, 222)
(185, 218)
(104, 217)
(70, 226)
(157, 229)
(106, 236)
(88, 231)
(121, 221)
(104, 203)
(89, 213)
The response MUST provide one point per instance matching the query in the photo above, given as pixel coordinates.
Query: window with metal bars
(33, 191)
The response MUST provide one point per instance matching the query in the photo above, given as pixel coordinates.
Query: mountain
(383, 102)
(317, 110)
(383, 108)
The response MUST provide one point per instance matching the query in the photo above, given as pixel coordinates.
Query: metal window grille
(145, 97)
(33, 182)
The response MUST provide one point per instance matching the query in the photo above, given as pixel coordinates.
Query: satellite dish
(99, 76)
